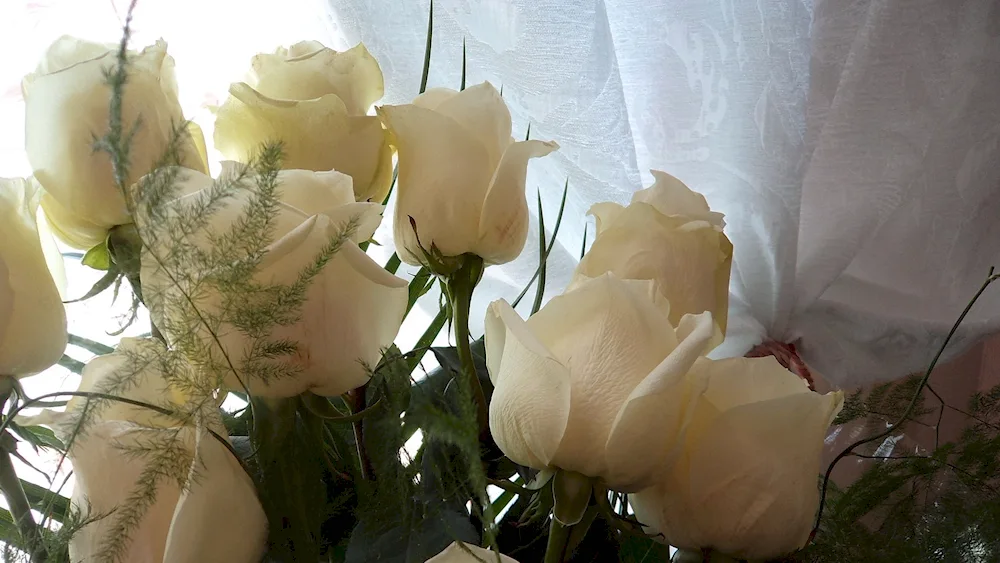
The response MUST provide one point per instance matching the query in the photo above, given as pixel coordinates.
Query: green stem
(460, 287)
(12, 490)
(555, 551)
(357, 397)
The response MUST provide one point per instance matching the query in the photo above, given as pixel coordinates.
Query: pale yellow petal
(67, 51)
(105, 476)
(308, 70)
(315, 192)
(70, 228)
(362, 313)
(444, 174)
(611, 335)
(365, 154)
(738, 381)
(690, 261)
(34, 319)
(67, 108)
(352, 311)
(649, 430)
(218, 517)
(670, 196)
(503, 225)
(530, 407)
(756, 472)
(139, 363)
(433, 97)
(248, 119)
(316, 134)
(605, 214)
(482, 111)
(459, 552)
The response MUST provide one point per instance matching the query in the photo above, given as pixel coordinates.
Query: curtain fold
(854, 145)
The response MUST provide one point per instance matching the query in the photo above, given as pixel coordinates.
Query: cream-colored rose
(668, 235)
(32, 316)
(66, 107)
(215, 517)
(746, 482)
(459, 552)
(461, 176)
(596, 382)
(314, 100)
(352, 310)
(308, 70)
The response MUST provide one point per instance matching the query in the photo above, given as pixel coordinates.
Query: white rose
(459, 552)
(314, 100)
(214, 517)
(352, 310)
(461, 176)
(669, 235)
(596, 382)
(32, 316)
(746, 482)
(66, 106)
(309, 70)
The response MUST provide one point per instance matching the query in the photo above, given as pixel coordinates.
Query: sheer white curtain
(854, 145)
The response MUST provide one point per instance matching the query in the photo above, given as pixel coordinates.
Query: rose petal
(305, 128)
(65, 108)
(434, 97)
(649, 429)
(307, 70)
(218, 518)
(672, 197)
(610, 334)
(605, 214)
(482, 111)
(444, 174)
(769, 497)
(530, 406)
(503, 225)
(32, 312)
(315, 192)
(105, 476)
(459, 552)
(690, 261)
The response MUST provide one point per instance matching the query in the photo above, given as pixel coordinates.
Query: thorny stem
(20, 509)
(461, 284)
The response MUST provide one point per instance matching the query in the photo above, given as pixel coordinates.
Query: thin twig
(991, 277)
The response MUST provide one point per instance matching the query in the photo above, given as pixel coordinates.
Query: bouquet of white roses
(595, 429)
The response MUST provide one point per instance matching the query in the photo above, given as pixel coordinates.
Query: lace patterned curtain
(854, 145)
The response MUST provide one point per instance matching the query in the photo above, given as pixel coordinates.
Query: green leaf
(37, 436)
(634, 549)
(462, 87)
(46, 501)
(393, 264)
(75, 366)
(583, 247)
(427, 49)
(417, 540)
(90, 345)
(426, 339)
(543, 257)
(98, 257)
(419, 285)
(99, 286)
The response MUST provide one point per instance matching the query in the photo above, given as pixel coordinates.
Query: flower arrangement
(595, 429)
